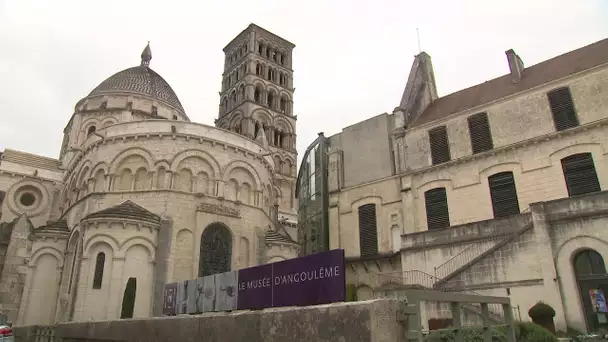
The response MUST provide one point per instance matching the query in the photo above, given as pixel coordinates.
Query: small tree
(542, 314)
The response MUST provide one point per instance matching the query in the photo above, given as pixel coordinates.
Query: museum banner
(310, 280)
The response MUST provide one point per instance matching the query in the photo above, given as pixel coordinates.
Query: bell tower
(256, 100)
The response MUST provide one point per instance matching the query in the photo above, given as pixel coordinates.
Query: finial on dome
(146, 55)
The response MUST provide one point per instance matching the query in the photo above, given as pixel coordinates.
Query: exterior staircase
(471, 256)
(445, 274)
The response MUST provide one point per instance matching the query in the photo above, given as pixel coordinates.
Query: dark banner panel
(310, 280)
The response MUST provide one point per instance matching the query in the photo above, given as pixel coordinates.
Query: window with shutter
(368, 233)
(479, 130)
(437, 213)
(580, 175)
(503, 194)
(440, 147)
(99, 265)
(562, 108)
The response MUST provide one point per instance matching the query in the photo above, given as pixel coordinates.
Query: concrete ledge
(373, 321)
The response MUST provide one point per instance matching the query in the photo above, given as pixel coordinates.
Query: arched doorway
(592, 280)
(216, 250)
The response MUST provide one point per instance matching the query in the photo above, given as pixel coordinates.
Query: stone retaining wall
(367, 321)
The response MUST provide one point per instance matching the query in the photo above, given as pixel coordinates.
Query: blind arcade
(310, 280)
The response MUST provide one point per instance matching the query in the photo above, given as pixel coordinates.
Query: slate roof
(126, 210)
(59, 227)
(24, 158)
(553, 69)
(139, 80)
(275, 236)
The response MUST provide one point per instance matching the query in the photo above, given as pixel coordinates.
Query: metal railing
(460, 259)
(417, 278)
(414, 298)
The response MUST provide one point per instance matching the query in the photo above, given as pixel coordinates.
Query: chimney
(516, 66)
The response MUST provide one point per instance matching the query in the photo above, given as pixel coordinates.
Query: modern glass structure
(311, 189)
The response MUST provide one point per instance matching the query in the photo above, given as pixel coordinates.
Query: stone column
(544, 252)
(170, 179)
(334, 222)
(271, 134)
(110, 179)
(249, 91)
(247, 128)
(116, 287)
(219, 188)
(407, 206)
(161, 265)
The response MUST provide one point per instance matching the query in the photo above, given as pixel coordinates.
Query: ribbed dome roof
(140, 80)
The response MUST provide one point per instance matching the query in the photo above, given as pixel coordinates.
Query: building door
(592, 280)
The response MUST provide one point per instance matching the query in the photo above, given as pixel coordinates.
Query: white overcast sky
(351, 61)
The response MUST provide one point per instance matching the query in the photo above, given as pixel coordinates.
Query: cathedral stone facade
(141, 196)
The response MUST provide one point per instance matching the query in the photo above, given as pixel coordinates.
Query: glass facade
(312, 194)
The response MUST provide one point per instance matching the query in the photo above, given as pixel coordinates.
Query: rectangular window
(368, 232)
(440, 148)
(562, 108)
(503, 194)
(479, 130)
(437, 213)
(580, 175)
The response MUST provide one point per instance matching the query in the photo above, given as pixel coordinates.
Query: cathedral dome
(140, 80)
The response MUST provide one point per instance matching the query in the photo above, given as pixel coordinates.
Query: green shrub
(524, 332)
(541, 310)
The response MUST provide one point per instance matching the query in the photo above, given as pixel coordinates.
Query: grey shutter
(440, 148)
(368, 233)
(479, 130)
(580, 175)
(503, 194)
(437, 213)
(562, 108)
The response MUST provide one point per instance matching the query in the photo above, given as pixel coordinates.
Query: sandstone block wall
(373, 321)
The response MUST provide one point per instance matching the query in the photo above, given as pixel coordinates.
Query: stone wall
(373, 321)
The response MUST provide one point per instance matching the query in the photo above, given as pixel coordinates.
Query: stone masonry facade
(131, 197)
(463, 240)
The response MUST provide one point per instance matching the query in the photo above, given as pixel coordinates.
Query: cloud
(351, 59)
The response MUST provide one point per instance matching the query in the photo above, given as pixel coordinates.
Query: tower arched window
(256, 95)
(258, 126)
(283, 105)
(242, 93)
(91, 130)
(99, 266)
(216, 250)
(260, 48)
(233, 99)
(271, 100)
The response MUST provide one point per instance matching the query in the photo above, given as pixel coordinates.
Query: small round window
(27, 199)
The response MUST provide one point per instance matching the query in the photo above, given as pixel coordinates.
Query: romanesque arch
(215, 250)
